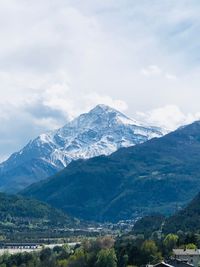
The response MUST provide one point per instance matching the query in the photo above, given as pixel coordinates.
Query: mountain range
(156, 176)
(101, 131)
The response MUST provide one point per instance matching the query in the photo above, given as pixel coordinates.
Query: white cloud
(151, 70)
(169, 117)
(59, 58)
(170, 76)
(95, 99)
(154, 70)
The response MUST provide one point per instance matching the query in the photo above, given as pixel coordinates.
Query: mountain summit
(154, 177)
(101, 131)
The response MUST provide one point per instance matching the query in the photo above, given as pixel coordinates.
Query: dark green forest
(187, 220)
(26, 216)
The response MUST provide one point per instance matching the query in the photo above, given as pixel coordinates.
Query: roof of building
(18, 244)
(163, 264)
(186, 252)
(180, 263)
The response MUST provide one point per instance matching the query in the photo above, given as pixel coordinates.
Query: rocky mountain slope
(156, 176)
(101, 131)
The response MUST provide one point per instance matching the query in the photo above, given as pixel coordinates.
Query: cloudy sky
(59, 58)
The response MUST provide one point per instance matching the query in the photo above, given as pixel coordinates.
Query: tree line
(128, 250)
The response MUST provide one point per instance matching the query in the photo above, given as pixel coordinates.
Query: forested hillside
(157, 176)
(19, 214)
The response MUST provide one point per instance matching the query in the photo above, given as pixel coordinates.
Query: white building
(191, 256)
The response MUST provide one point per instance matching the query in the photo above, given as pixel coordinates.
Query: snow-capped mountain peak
(101, 131)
